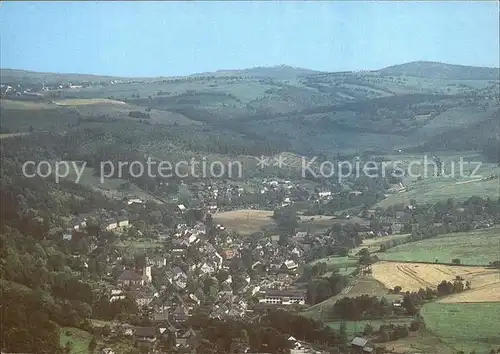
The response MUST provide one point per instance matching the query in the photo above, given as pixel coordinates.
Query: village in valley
(338, 211)
(191, 263)
(169, 265)
(197, 264)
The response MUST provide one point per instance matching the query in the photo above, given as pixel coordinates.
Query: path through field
(348, 288)
(408, 271)
(342, 294)
(360, 285)
(86, 101)
(10, 135)
(471, 181)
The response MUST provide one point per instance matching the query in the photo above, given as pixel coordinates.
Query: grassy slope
(361, 285)
(464, 326)
(429, 69)
(78, 338)
(334, 262)
(357, 327)
(422, 341)
(452, 118)
(432, 190)
(477, 247)
(373, 244)
(229, 98)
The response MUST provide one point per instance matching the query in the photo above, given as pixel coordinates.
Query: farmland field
(413, 276)
(431, 189)
(245, 221)
(465, 327)
(373, 244)
(485, 293)
(478, 247)
(434, 190)
(121, 110)
(10, 135)
(28, 105)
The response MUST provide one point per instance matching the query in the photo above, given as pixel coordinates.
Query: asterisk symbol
(262, 161)
(280, 161)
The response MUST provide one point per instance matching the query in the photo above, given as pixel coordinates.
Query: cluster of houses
(184, 337)
(171, 284)
(222, 195)
(44, 88)
(105, 220)
(192, 256)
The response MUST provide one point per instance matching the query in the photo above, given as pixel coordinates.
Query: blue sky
(178, 38)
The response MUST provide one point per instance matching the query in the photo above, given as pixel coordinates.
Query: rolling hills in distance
(423, 105)
(398, 112)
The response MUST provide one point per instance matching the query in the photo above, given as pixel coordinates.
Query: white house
(116, 295)
(111, 225)
(290, 265)
(324, 194)
(122, 222)
(192, 238)
(134, 201)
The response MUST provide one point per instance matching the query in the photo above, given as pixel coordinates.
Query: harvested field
(485, 293)
(245, 221)
(413, 276)
(121, 110)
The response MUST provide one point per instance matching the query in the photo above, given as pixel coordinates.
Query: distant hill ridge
(424, 69)
(278, 72)
(436, 70)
